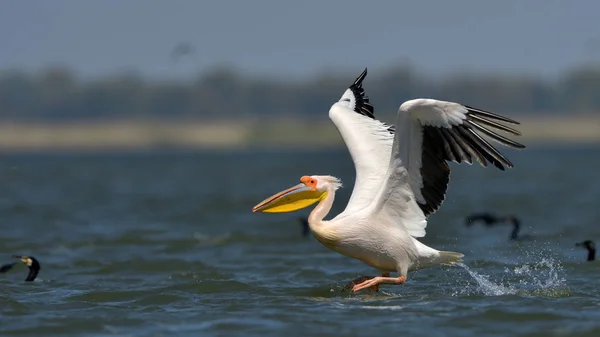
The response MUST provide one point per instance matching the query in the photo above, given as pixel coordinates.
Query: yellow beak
(292, 199)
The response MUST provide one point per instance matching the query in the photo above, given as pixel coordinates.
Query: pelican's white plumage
(401, 178)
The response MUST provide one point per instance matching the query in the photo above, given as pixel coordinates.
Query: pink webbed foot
(376, 281)
(360, 280)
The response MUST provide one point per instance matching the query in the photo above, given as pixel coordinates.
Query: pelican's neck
(315, 219)
(321, 231)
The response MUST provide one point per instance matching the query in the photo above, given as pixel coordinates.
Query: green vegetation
(56, 110)
(59, 95)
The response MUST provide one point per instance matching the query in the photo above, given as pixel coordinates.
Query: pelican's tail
(450, 257)
(429, 257)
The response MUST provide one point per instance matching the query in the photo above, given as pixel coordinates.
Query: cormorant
(30, 261)
(490, 219)
(514, 234)
(590, 246)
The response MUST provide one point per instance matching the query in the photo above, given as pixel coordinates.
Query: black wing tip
(460, 144)
(357, 85)
(483, 151)
(491, 115)
(474, 125)
(362, 105)
(360, 78)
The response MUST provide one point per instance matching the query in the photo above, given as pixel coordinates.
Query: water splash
(486, 286)
(541, 278)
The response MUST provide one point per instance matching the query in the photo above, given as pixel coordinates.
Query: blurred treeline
(58, 94)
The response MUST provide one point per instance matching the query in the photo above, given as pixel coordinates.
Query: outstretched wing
(430, 133)
(7, 267)
(369, 142)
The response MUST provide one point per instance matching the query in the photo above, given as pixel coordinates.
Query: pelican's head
(310, 190)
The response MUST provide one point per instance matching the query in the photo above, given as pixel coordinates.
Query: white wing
(429, 133)
(369, 142)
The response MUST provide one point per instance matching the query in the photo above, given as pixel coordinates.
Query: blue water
(165, 244)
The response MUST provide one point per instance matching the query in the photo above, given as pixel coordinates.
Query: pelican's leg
(376, 281)
(362, 279)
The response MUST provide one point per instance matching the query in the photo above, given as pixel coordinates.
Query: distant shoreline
(128, 135)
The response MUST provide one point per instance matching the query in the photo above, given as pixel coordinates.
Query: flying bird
(30, 261)
(181, 50)
(591, 248)
(402, 175)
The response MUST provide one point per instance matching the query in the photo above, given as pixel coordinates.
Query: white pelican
(401, 178)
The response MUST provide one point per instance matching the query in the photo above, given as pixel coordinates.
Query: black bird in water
(305, 228)
(490, 219)
(514, 234)
(30, 261)
(591, 248)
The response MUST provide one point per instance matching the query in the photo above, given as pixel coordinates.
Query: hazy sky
(294, 38)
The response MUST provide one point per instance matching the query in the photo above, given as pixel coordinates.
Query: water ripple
(147, 246)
